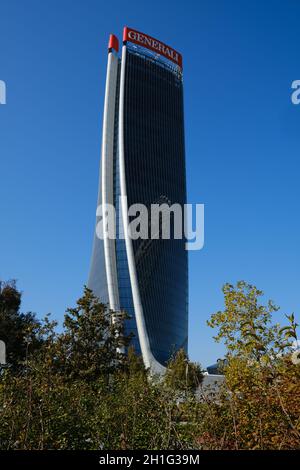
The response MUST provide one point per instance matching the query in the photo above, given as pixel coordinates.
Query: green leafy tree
(182, 374)
(94, 341)
(247, 327)
(134, 364)
(259, 407)
(19, 331)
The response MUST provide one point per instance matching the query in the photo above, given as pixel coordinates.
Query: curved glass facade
(125, 293)
(149, 282)
(155, 174)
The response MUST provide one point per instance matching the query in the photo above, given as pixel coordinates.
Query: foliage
(19, 331)
(246, 326)
(92, 343)
(78, 390)
(183, 375)
(262, 394)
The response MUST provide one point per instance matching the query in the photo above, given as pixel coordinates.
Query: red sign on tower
(151, 43)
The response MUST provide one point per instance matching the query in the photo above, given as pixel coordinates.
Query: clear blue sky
(242, 144)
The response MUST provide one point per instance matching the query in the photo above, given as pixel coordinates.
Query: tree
(182, 374)
(19, 331)
(260, 406)
(94, 340)
(134, 364)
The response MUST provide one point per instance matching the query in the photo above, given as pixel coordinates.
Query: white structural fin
(108, 142)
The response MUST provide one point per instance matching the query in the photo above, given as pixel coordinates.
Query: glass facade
(155, 174)
(124, 285)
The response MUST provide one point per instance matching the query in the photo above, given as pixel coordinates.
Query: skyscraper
(143, 161)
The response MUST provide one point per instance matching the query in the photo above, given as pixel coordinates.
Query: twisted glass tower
(143, 162)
